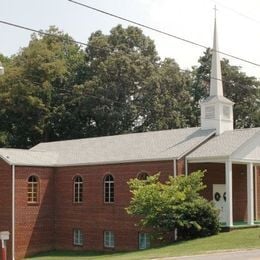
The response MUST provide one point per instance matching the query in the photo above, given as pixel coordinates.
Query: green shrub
(199, 218)
(163, 207)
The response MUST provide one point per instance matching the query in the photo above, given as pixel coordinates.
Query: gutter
(13, 212)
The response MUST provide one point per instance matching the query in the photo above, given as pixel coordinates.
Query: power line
(40, 32)
(85, 44)
(236, 12)
(70, 40)
(161, 32)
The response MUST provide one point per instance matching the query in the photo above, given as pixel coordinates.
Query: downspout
(174, 168)
(13, 212)
(186, 167)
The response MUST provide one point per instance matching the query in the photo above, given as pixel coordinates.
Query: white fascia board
(207, 159)
(98, 163)
(245, 161)
(6, 160)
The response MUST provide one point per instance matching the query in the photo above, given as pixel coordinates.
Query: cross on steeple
(215, 11)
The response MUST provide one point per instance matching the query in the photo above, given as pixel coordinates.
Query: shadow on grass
(64, 254)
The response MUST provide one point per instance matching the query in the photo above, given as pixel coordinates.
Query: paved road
(253, 254)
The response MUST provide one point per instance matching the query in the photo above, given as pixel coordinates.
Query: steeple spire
(216, 110)
(216, 88)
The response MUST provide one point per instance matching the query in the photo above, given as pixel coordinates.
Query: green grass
(237, 239)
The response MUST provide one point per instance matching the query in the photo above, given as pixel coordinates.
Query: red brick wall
(215, 174)
(34, 224)
(6, 201)
(49, 225)
(93, 216)
(181, 166)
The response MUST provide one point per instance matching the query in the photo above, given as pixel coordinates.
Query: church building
(72, 195)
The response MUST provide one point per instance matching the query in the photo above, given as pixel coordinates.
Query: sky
(238, 25)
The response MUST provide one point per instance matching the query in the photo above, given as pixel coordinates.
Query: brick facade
(34, 223)
(94, 216)
(49, 224)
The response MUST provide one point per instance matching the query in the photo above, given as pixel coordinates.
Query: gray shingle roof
(225, 144)
(28, 157)
(157, 145)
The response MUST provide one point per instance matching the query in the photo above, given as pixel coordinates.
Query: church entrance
(219, 199)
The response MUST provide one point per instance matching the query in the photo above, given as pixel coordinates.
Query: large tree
(35, 85)
(129, 88)
(166, 101)
(54, 90)
(119, 65)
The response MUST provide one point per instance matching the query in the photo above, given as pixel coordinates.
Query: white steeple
(216, 110)
(216, 88)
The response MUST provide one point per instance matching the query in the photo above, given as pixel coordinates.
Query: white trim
(186, 167)
(246, 161)
(217, 159)
(256, 192)
(13, 212)
(250, 195)
(174, 168)
(96, 163)
(228, 181)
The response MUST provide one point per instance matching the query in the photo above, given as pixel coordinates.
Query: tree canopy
(53, 89)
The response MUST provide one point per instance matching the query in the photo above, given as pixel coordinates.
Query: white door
(219, 199)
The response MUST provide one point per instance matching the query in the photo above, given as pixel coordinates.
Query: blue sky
(238, 34)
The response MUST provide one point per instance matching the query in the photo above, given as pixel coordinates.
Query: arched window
(142, 176)
(109, 189)
(78, 189)
(32, 189)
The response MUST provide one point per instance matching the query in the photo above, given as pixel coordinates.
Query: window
(226, 112)
(144, 240)
(142, 176)
(210, 112)
(77, 237)
(32, 189)
(78, 189)
(109, 189)
(109, 239)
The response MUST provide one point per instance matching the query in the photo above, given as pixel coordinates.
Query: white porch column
(250, 195)
(228, 177)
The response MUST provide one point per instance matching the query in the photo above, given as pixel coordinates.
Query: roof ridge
(118, 135)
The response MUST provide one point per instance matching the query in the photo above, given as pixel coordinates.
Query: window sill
(33, 203)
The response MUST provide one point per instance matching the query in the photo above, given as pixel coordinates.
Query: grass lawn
(237, 239)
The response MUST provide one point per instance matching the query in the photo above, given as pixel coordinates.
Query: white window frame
(33, 190)
(109, 239)
(110, 184)
(144, 240)
(77, 190)
(77, 237)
